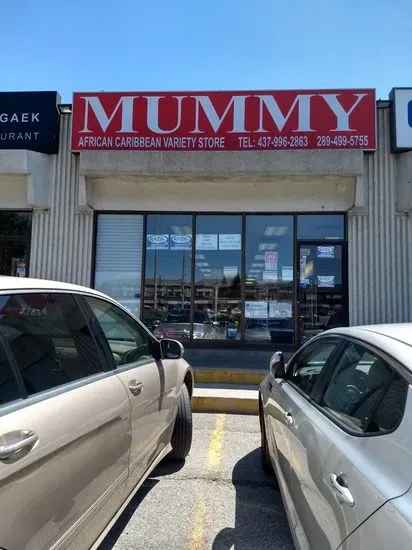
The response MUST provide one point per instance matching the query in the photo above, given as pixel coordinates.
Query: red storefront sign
(228, 121)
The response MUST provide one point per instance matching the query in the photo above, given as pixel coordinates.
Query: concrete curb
(229, 376)
(225, 401)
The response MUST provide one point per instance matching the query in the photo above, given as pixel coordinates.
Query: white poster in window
(271, 261)
(326, 252)
(157, 242)
(269, 275)
(180, 242)
(280, 310)
(287, 273)
(256, 310)
(230, 241)
(206, 241)
(326, 281)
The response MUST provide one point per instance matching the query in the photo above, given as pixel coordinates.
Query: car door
(151, 386)
(351, 457)
(288, 397)
(64, 444)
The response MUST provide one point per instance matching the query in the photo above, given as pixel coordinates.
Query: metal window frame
(242, 343)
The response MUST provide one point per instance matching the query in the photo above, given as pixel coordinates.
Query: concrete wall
(62, 234)
(380, 239)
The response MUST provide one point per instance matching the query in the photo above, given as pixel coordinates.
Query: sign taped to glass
(205, 241)
(231, 241)
(271, 261)
(326, 252)
(180, 242)
(326, 281)
(157, 242)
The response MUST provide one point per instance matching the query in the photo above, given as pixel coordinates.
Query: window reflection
(269, 279)
(167, 292)
(218, 276)
(321, 226)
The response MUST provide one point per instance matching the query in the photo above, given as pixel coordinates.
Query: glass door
(322, 295)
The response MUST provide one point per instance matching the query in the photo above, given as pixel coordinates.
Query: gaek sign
(401, 116)
(231, 121)
(29, 120)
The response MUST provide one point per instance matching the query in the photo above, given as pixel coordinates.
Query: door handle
(12, 448)
(288, 418)
(135, 387)
(343, 493)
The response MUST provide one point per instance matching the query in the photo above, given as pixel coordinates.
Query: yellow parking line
(214, 455)
(197, 541)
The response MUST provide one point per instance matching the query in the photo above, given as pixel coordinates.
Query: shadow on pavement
(260, 520)
(166, 467)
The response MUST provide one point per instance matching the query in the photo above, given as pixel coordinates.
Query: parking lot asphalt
(219, 498)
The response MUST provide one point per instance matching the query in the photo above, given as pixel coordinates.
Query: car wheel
(183, 429)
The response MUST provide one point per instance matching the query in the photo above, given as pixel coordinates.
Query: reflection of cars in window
(277, 330)
(176, 324)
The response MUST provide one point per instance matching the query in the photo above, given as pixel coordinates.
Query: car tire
(182, 433)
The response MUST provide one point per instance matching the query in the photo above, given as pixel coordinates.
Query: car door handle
(288, 418)
(343, 493)
(135, 387)
(12, 448)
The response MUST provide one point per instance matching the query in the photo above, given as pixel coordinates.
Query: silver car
(90, 402)
(336, 426)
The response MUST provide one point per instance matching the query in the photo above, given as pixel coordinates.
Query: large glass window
(269, 279)
(118, 271)
(167, 291)
(273, 279)
(15, 231)
(321, 226)
(218, 277)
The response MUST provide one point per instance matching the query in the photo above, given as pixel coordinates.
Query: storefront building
(228, 220)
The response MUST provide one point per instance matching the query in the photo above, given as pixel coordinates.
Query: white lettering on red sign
(225, 120)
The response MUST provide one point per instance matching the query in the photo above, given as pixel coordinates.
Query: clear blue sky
(90, 45)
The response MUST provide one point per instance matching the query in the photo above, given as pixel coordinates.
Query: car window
(49, 338)
(9, 390)
(128, 341)
(308, 365)
(365, 392)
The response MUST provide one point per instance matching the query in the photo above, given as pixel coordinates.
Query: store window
(15, 233)
(321, 227)
(118, 269)
(218, 277)
(167, 291)
(269, 279)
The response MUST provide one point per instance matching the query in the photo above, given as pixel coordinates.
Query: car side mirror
(171, 349)
(277, 365)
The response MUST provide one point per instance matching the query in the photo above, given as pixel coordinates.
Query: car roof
(13, 284)
(395, 339)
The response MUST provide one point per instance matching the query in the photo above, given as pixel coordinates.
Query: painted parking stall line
(214, 459)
